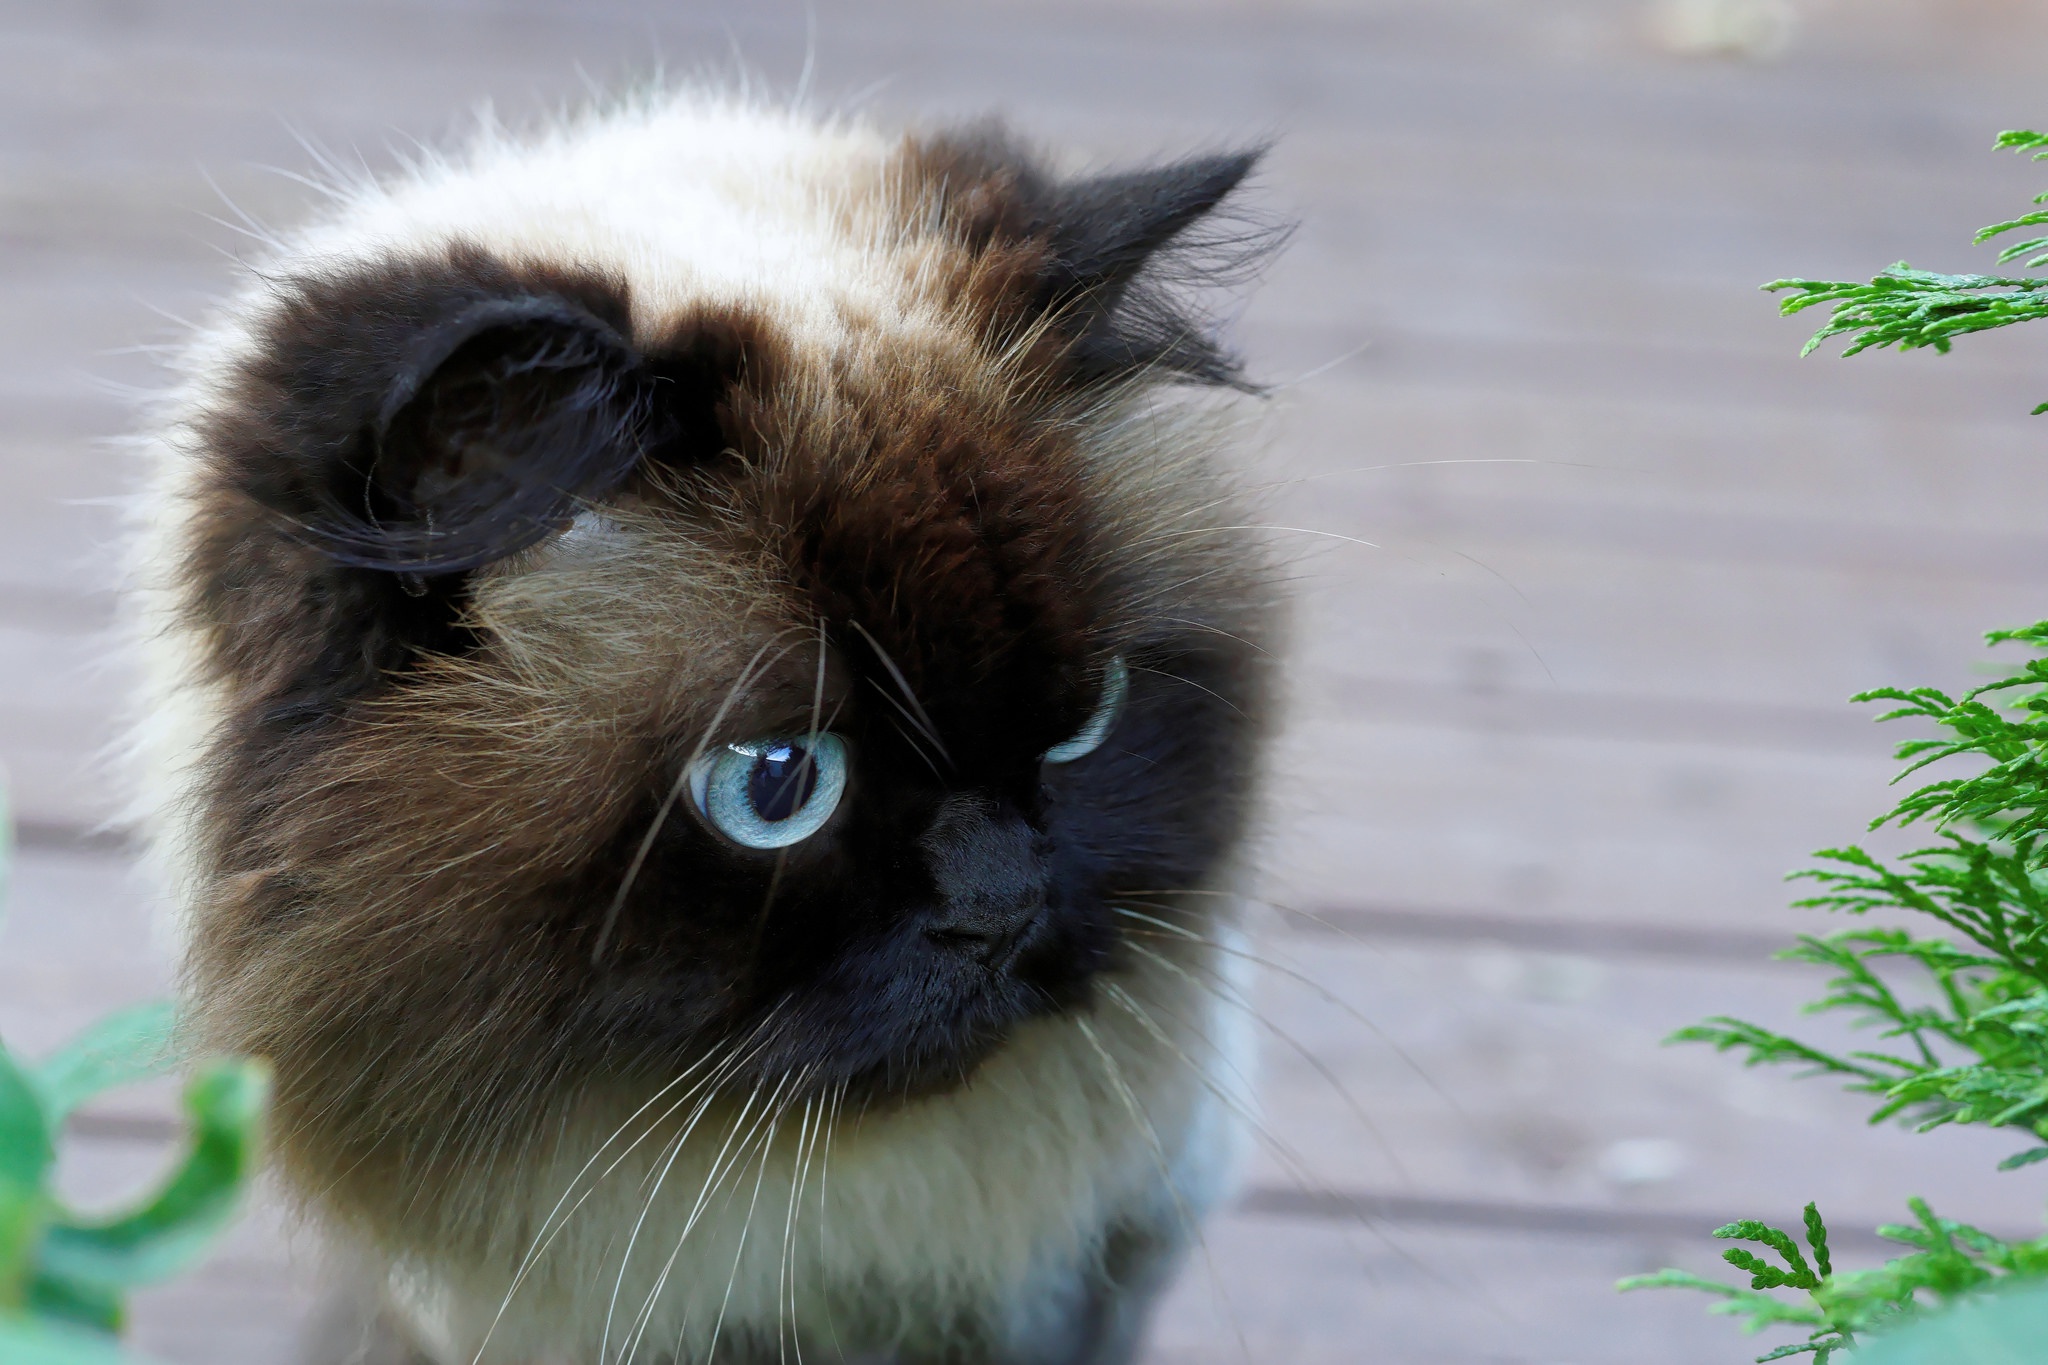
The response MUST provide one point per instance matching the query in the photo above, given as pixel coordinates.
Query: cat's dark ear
(497, 417)
(1126, 250)
(387, 427)
(1117, 265)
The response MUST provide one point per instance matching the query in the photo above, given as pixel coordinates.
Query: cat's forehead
(888, 499)
(941, 535)
(899, 473)
(952, 527)
(689, 206)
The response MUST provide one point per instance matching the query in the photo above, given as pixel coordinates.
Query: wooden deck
(1558, 731)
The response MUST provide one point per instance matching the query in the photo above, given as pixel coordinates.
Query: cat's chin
(870, 1060)
(930, 1076)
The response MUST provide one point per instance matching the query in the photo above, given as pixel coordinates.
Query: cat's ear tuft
(1119, 265)
(1129, 253)
(500, 414)
(1106, 228)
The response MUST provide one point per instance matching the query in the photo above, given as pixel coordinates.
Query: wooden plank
(1538, 1079)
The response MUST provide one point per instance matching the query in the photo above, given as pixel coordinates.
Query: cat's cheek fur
(911, 420)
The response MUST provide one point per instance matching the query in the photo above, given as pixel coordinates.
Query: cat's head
(623, 664)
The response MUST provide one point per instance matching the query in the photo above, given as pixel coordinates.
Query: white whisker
(714, 1180)
(746, 1227)
(1223, 992)
(1190, 1224)
(626, 1257)
(806, 1143)
(1297, 1166)
(548, 1231)
(1321, 990)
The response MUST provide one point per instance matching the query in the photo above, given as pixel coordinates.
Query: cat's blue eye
(770, 793)
(1116, 683)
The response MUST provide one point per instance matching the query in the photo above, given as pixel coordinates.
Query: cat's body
(537, 545)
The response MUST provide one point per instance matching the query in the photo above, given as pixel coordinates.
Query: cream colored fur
(888, 1226)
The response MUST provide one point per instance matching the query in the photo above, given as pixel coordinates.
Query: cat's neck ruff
(954, 1218)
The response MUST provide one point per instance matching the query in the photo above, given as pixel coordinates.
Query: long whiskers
(549, 1229)
(1324, 992)
(770, 1118)
(1232, 998)
(727, 1061)
(721, 1164)
(825, 1205)
(746, 1227)
(674, 1152)
(1297, 1166)
(786, 1326)
(740, 1055)
(1175, 677)
(1190, 1224)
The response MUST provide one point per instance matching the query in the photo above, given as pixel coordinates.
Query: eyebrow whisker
(916, 711)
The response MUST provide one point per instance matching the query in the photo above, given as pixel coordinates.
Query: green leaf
(96, 1307)
(122, 1049)
(25, 1158)
(1965, 1033)
(2022, 139)
(1675, 1279)
(1766, 1276)
(25, 1151)
(1817, 1238)
(24, 1341)
(225, 1101)
(1985, 234)
(1797, 1348)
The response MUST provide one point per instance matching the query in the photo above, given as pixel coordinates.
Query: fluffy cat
(705, 683)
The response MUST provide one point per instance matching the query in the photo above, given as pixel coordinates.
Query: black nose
(989, 869)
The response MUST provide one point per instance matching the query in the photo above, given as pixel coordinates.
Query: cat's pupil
(781, 781)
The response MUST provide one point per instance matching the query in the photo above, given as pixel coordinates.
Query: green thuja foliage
(1968, 1045)
(1909, 308)
(1974, 1047)
(64, 1274)
(1949, 1262)
(1967, 1042)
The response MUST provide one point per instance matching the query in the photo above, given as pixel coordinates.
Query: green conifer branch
(1967, 1044)
(1909, 308)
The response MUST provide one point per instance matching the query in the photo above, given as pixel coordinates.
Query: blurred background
(1556, 732)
